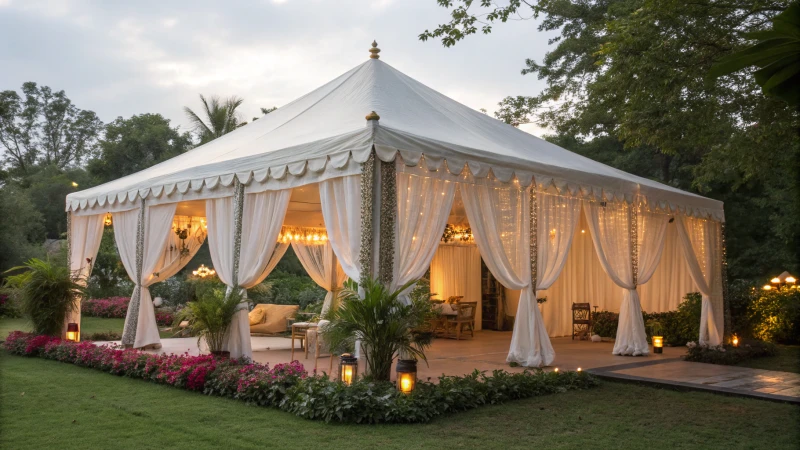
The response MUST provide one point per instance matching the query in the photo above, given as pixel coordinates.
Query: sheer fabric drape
(172, 260)
(85, 235)
(320, 263)
(340, 200)
(423, 206)
(456, 270)
(700, 242)
(610, 227)
(262, 219)
(157, 226)
(499, 217)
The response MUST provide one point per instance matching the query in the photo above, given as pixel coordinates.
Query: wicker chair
(316, 344)
(464, 315)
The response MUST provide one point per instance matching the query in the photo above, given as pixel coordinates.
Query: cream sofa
(275, 318)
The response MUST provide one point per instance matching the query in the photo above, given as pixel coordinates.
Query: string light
(309, 236)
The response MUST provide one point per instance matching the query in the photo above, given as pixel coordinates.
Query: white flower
(691, 344)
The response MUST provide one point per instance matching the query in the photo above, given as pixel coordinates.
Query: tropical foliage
(210, 317)
(383, 323)
(48, 293)
(217, 117)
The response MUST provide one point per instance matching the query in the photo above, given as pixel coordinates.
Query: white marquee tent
(384, 190)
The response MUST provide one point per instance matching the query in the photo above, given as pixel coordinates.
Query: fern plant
(383, 323)
(212, 315)
(48, 293)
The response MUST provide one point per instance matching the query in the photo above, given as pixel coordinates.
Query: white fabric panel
(456, 270)
(320, 263)
(329, 122)
(85, 235)
(584, 281)
(340, 200)
(219, 215)
(557, 217)
(700, 242)
(499, 218)
(158, 225)
(651, 237)
(610, 228)
(423, 206)
(171, 260)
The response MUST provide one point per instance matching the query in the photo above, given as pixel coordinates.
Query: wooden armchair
(464, 315)
(581, 320)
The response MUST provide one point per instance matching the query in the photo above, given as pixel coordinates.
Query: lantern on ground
(735, 341)
(658, 344)
(406, 375)
(348, 368)
(72, 332)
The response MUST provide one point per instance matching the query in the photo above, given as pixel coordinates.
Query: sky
(123, 58)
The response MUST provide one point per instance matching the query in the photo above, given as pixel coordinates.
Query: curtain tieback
(243, 306)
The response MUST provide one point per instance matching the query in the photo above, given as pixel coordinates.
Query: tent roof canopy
(325, 134)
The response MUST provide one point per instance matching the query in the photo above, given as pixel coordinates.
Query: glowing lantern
(406, 375)
(767, 287)
(735, 341)
(775, 280)
(791, 280)
(348, 368)
(658, 344)
(72, 332)
(107, 221)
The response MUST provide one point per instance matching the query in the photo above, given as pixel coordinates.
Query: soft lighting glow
(307, 236)
(72, 332)
(775, 280)
(348, 368)
(658, 344)
(107, 221)
(735, 341)
(579, 369)
(406, 375)
(791, 280)
(583, 231)
(555, 370)
(74, 184)
(767, 287)
(204, 271)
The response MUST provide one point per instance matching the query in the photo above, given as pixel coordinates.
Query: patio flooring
(488, 349)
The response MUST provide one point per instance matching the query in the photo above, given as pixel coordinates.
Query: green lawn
(787, 360)
(89, 325)
(47, 404)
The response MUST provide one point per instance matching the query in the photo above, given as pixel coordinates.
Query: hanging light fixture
(348, 368)
(107, 221)
(204, 272)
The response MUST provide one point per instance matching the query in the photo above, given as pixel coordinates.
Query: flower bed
(117, 308)
(728, 354)
(290, 388)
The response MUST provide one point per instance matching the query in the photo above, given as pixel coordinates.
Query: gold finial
(373, 116)
(374, 51)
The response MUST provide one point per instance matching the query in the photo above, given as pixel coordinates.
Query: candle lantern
(348, 368)
(735, 341)
(406, 375)
(72, 332)
(658, 344)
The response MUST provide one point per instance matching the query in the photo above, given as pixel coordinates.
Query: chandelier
(308, 236)
(204, 271)
(457, 234)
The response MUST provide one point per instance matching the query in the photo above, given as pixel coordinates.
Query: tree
(134, 144)
(265, 111)
(45, 129)
(636, 71)
(221, 117)
(23, 230)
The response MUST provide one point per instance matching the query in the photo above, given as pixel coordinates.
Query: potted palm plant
(210, 318)
(48, 294)
(385, 325)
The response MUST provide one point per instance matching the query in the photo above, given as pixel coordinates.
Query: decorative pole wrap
(69, 240)
(534, 237)
(725, 300)
(633, 217)
(132, 317)
(388, 222)
(367, 182)
(238, 212)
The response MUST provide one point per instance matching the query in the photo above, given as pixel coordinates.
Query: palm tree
(221, 117)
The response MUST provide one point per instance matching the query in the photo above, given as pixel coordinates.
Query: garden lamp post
(658, 344)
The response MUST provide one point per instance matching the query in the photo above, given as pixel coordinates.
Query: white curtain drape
(610, 227)
(557, 217)
(700, 240)
(456, 270)
(423, 206)
(172, 260)
(85, 235)
(340, 200)
(499, 217)
(262, 219)
(320, 263)
(157, 226)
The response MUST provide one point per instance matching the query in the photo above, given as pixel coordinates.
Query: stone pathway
(742, 381)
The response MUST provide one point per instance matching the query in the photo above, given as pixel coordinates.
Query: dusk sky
(125, 58)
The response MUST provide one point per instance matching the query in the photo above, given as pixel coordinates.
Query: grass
(89, 325)
(787, 360)
(48, 404)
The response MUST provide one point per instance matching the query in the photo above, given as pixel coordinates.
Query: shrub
(774, 315)
(605, 323)
(112, 307)
(48, 292)
(9, 307)
(288, 386)
(102, 336)
(727, 354)
(212, 316)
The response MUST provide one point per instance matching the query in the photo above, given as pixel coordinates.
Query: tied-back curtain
(148, 230)
(423, 206)
(85, 234)
(340, 200)
(700, 242)
(651, 235)
(610, 227)
(499, 216)
(557, 217)
(321, 265)
(178, 252)
(261, 221)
